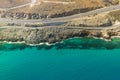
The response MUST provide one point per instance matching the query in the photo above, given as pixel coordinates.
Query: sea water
(73, 59)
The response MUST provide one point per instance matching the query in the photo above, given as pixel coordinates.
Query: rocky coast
(99, 26)
(103, 25)
(53, 34)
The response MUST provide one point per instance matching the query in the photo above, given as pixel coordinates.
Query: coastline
(52, 44)
(72, 43)
(53, 35)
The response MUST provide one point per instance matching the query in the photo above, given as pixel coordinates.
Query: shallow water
(74, 59)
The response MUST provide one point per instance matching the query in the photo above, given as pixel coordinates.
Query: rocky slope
(57, 8)
(52, 35)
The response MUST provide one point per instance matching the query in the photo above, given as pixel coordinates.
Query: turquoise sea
(73, 59)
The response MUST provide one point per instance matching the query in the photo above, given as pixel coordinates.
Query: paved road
(55, 21)
(70, 27)
(97, 11)
(95, 28)
(16, 7)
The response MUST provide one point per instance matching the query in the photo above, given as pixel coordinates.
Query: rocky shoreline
(53, 34)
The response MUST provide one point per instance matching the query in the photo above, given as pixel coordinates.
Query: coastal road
(93, 12)
(62, 19)
(68, 27)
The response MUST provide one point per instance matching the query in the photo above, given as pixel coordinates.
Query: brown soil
(59, 10)
(12, 3)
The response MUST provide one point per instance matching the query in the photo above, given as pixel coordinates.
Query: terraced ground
(12, 3)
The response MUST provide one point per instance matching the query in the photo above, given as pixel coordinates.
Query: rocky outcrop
(52, 34)
(21, 15)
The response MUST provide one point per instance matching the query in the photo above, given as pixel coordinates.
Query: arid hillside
(12, 3)
(58, 8)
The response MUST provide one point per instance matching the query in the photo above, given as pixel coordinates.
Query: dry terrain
(55, 8)
(12, 3)
(100, 20)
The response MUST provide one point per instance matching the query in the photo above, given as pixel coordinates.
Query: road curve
(97, 11)
(61, 19)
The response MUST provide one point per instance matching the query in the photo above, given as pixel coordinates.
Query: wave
(72, 43)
